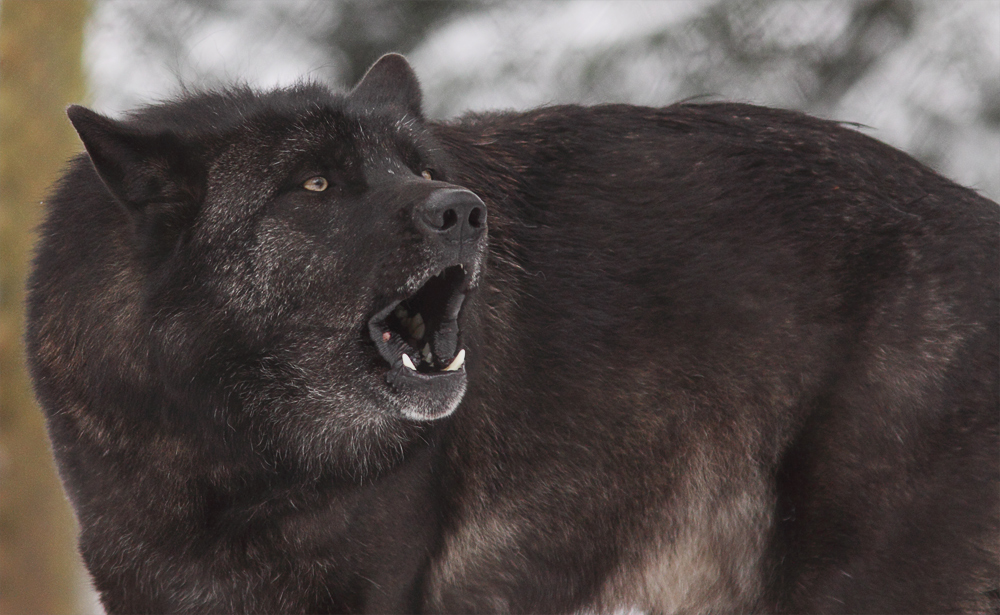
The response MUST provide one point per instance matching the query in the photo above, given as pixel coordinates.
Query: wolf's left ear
(390, 82)
(138, 167)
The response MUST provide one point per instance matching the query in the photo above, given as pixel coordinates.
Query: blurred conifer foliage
(923, 74)
(364, 30)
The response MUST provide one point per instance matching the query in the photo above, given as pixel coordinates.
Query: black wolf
(303, 351)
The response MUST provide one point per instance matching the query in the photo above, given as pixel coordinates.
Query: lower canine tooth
(457, 362)
(408, 362)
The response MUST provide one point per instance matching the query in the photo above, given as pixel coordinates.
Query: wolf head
(299, 266)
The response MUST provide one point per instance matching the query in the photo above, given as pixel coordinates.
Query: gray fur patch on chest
(705, 556)
(707, 559)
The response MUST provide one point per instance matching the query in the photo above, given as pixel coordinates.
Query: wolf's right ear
(390, 82)
(139, 168)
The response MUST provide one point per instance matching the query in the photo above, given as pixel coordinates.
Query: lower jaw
(427, 397)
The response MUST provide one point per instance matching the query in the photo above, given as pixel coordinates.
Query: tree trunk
(40, 73)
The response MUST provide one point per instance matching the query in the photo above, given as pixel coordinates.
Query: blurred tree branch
(367, 29)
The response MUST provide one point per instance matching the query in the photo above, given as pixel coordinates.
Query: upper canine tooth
(457, 362)
(408, 362)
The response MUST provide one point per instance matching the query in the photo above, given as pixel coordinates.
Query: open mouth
(419, 336)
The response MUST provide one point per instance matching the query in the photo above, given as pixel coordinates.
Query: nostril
(476, 217)
(451, 215)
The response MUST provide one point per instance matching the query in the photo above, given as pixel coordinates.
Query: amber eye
(426, 174)
(316, 184)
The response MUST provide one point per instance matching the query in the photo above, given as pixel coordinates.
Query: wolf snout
(453, 216)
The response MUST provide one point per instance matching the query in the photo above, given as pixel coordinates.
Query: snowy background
(923, 76)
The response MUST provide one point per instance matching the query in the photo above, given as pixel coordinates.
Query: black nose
(452, 215)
